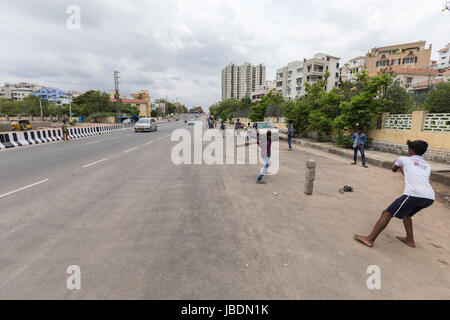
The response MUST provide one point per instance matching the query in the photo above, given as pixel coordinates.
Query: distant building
(196, 110)
(411, 78)
(262, 90)
(349, 71)
(141, 100)
(290, 80)
(50, 94)
(413, 55)
(18, 91)
(241, 81)
(444, 58)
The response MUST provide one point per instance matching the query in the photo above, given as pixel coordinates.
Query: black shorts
(408, 206)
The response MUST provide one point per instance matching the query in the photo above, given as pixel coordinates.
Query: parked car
(191, 122)
(146, 125)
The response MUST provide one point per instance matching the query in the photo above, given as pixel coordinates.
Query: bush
(344, 140)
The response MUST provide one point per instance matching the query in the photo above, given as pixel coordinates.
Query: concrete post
(7, 118)
(310, 176)
(19, 117)
(30, 117)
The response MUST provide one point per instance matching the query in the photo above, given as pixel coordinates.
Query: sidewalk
(440, 171)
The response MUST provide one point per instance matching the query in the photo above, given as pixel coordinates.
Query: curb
(25, 138)
(386, 164)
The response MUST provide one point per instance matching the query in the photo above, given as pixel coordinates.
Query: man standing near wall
(65, 131)
(359, 140)
(290, 134)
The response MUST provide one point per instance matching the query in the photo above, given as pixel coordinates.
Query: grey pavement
(140, 227)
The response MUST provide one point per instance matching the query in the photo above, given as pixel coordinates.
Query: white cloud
(177, 48)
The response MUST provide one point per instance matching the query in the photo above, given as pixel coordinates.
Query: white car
(146, 125)
(191, 122)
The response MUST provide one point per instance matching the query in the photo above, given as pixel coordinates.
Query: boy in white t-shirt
(418, 194)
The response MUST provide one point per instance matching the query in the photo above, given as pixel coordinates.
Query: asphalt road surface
(140, 227)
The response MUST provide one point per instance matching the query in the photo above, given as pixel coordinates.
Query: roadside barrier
(19, 139)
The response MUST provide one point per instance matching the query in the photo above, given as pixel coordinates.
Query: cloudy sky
(177, 48)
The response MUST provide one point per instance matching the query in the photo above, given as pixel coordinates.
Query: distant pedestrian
(265, 154)
(290, 134)
(223, 128)
(418, 194)
(249, 131)
(359, 141)
(237, 128)
(65, 131)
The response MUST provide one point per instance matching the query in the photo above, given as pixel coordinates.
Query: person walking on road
(65, 131)
(265, 154)
(418, 194)
(223, 128)
(237, 128)
(359, 140)
(290, 134)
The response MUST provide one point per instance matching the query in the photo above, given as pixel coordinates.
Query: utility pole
(40, 106)
(117, 94)
(70, 111)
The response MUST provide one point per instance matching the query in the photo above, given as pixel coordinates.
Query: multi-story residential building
(141, 100)
(18, 91)
(444, 58)
(262, 90)
(50, 94)
(241, 81)
(351, 68)
(411, 77)
(290, 80)
(413, 55)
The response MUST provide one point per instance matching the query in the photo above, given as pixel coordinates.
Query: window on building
(337, 65)
(382, 63)
(395, 62)
(409, 80)
(409, 60)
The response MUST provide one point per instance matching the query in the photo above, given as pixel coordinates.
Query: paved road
(140, 227)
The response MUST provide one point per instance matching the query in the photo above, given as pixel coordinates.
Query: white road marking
(94, 163)
(146, 144)
(24, 188)
(130, 150)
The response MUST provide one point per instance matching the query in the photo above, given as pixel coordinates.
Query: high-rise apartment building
(409, 55)
(241, 81)
(290, 80)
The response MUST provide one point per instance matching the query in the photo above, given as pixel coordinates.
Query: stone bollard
(19, 117)
(7, 118)
(310, 176)
(30, 117)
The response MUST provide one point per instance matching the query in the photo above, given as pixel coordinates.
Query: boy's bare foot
(364, 241)
(353, 163)
(261, 182)
(405, 240)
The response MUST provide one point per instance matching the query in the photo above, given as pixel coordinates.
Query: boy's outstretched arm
(395, 168)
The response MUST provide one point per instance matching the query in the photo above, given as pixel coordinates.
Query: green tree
(259, 110)
(438, 100)
(156, 113)
(398, 100)
(363, 109)
(92, 102)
